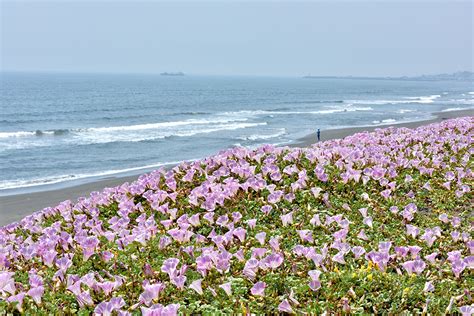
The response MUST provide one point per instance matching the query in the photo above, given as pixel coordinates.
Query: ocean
(64, 129)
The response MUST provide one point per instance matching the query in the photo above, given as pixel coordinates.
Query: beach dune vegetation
(377, 222)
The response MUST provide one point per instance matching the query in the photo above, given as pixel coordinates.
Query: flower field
(377, 222)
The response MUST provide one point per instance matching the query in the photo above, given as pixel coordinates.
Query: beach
(15, 207)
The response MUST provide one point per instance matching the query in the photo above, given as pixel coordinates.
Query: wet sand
(15, 207)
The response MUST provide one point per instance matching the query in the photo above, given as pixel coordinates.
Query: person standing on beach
(319, 134)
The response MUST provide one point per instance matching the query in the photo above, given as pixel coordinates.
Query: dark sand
(15, 207)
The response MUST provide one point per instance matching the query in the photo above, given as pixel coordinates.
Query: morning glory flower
(285, 307)
(36, 294)
(287, 219)
(414, 266)
(252, 223)
(261, 237)
(258, 289)
(274, 260)
(458, 267)
(428, 287)
(306, 235)
(358, 251)
(18, 299)
(227, 288)
(432, 257)
(196, 286)
(240, 233)
(151, 292)
(158, 309)
(362, 235)
(339, 258)
(7, 284)
(169, 266)
(466, 310)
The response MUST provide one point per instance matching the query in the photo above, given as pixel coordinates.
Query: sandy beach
(15, 207)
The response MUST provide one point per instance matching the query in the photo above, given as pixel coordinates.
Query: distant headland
(172, 73)
(459, 76)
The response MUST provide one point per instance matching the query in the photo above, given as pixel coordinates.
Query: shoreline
(16, 206)
(310, 139)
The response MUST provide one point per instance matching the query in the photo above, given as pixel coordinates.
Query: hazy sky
(373, 38)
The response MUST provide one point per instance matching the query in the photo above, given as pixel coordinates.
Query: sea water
(65, 128)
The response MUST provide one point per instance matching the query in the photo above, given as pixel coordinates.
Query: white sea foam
(256, 137)
(401, 111)
(16, 134)
(407, 100)
(382, 122)
(452, 109)
(138, 127)
(108, 136)
(161, 125)
(472, 92)
(16, 184)
(133, 133)
(330, 110)
(462, 101)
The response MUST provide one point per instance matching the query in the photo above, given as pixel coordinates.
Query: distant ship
(172, 74)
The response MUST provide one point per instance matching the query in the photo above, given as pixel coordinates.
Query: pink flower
(386, 193)
(363, 212)
(227, 288)
(315, 221)
(339, 257)
(368, 221)
(275, 243)
(252, 223)
(315, 283)
(393, 210)
(151, 292)
(274, 260)
(18, 299)
(36, 294)
(428, 287)
(196, 286)
(287, 218)
(362, 235)
(431, 257)
(240, 233)
(414, 250)
(466, 310)
(444, 218)
(358, 251)
(306, 235)
(88, 246)
(412, 230)
(7, 284)
(285, 307)
(258, 289)
(261, 237)
(266, 209)
(169, 266)
(415, 266)
(158, 309)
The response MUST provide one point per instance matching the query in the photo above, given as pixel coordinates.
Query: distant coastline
(179, 73)
(457, 76)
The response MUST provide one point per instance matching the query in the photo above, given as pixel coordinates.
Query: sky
(268, 38)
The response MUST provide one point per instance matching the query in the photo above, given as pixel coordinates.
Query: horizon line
(307, 75)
